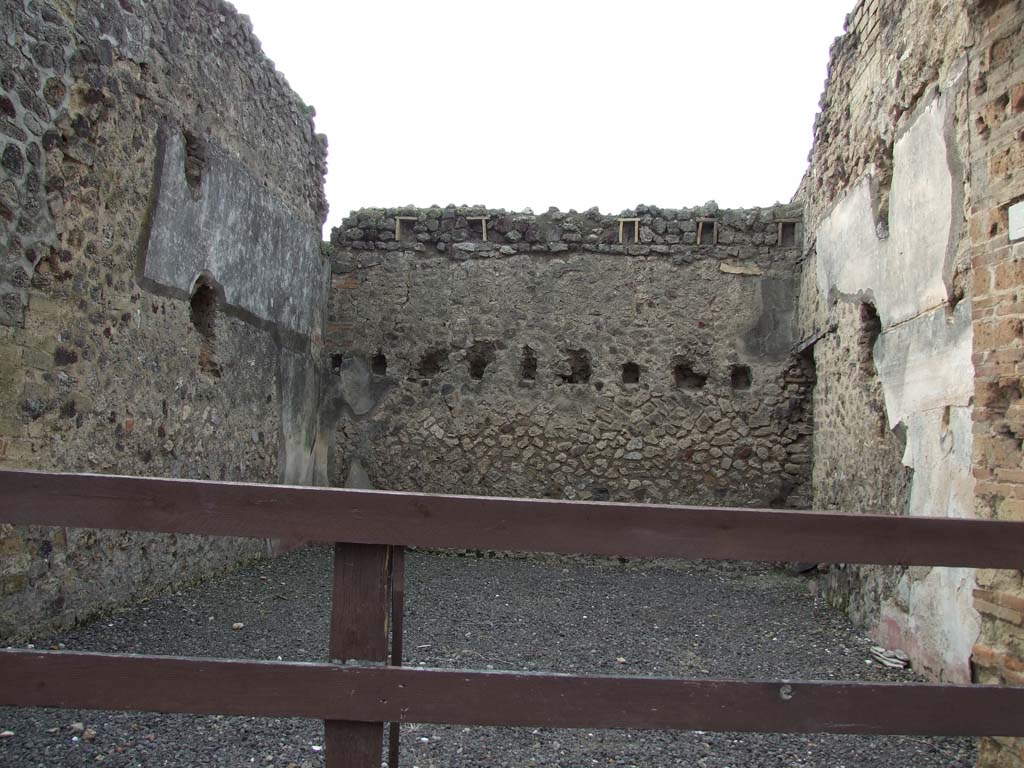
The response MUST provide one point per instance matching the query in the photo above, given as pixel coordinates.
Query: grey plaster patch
(354, 391)
(774, 333)
(216, 218)
(303, 457)
(358, 476)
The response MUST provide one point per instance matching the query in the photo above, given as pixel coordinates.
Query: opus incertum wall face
(215, 231)
(571, 355)
(159, 300)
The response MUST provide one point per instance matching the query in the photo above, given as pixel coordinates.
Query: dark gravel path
(637, 618)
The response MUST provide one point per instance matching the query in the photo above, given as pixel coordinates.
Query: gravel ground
(692, 619)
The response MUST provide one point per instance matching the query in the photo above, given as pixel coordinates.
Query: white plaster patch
(923, 360)
(941, 626)
(847, 244)
(940, 630)
(925, 363)
(905, 271)
(939, 444)
(1016, 215)
(921, 214)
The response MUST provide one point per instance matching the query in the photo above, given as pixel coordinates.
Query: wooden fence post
(359, 632)
(397, 631)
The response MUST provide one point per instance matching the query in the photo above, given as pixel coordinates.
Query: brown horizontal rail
(383, 517)
(423, 520)
(401, 694)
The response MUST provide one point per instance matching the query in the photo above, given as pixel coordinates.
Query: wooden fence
(358, 691)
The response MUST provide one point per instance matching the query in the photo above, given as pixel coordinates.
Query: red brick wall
(997, 180)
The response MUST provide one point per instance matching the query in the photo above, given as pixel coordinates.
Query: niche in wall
(740, 377)
(808, 365)
(203, 313)
(432, 362)
(379, 364)
(478, 357)
(870, 330)
(579, 367)
(630, 373)
(684, 377)
(528, 364)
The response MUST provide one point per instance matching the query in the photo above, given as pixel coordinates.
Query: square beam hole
(629, 231)
(740, 377)
(405, 228)
(528, 364)
(787, 234)
(379, 364)
(684, 377)
(477, 227)
(707, 232)
(630, 373)
(578, 361)
(479, 356)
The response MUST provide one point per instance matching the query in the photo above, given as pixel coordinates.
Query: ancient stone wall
(916, 140)
(571, 355)
(161, 282)
(996, 117)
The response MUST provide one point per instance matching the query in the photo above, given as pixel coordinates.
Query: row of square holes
(683, 375)
(706, 235)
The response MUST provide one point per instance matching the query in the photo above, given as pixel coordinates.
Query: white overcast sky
(563, 102)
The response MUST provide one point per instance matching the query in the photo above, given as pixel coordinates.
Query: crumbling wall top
(477, 232)
(202, 65)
